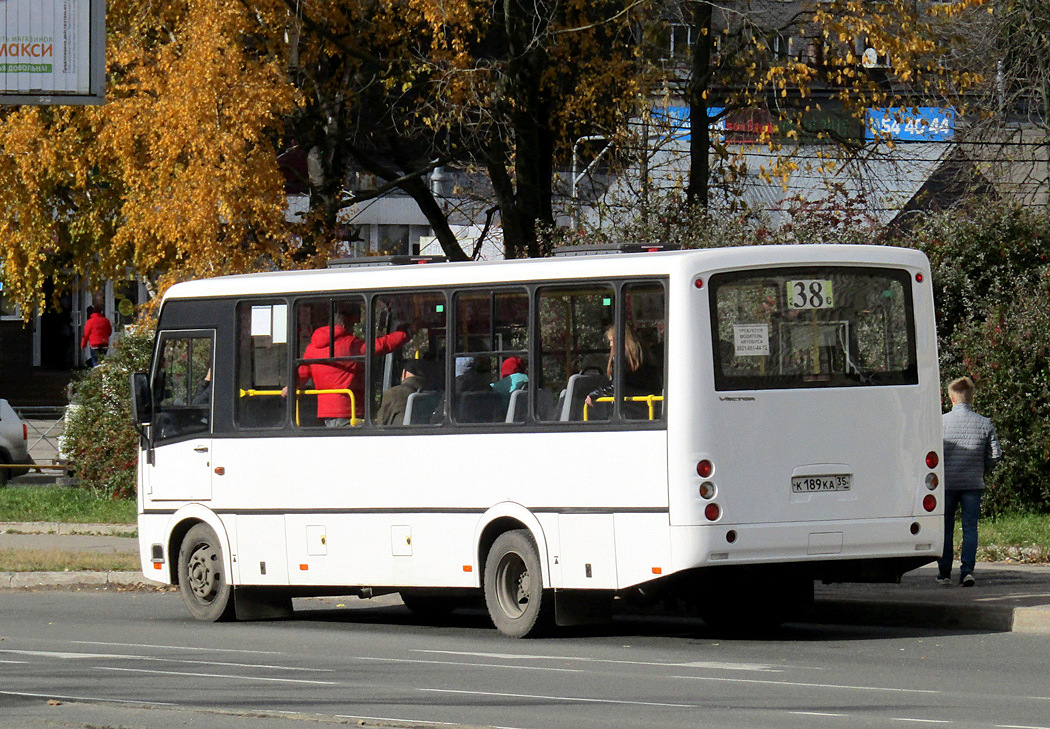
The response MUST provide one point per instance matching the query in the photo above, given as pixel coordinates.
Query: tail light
(705, 468)
(712, 512)
(932, 459)
(932, 481)
(929, 502)
(707, 490)
(25, 432)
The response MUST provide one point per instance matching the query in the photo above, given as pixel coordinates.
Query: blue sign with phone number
(910, 124)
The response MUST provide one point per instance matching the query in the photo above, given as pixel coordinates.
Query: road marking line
(218, 675)
(2, 661)
(816, 713)
(123, 656)
(86, 698)
(176, 647)
(920, 721)
(1018, 726)
(568, 699)
(768, 682)
(692, 664)
(466, 665)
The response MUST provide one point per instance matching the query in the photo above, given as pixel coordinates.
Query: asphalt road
(134, 659)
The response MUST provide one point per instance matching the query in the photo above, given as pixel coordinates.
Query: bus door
(181, 429)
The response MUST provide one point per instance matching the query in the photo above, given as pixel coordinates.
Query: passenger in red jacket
(97, 331)
(335, 408)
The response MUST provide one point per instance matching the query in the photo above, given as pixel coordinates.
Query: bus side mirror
(141, 399)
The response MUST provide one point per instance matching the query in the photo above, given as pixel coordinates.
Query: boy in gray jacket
(971, 449)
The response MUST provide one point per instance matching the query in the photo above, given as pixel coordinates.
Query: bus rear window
(812, 327)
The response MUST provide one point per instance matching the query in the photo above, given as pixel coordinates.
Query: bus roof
(685, 262)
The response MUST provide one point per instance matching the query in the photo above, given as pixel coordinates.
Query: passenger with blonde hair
(642, 374)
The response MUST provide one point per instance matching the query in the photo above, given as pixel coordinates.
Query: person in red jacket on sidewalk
(349, 374)
(97, 331)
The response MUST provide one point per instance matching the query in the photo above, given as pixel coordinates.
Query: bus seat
(420, 406)
(545, 406)
(479, 406)
(576, 391)
(555, 412)
(518, 407)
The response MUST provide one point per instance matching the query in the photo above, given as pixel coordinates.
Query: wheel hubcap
(513, 585)
(205, 576)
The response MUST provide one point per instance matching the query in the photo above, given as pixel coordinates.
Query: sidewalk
(1008, 597)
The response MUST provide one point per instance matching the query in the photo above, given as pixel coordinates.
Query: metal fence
(45, 426)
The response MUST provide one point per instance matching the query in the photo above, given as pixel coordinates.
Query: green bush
(100, 439)
(1008, 356)
(991, 280)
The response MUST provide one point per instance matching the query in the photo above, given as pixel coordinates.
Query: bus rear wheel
(202, 576)
(514, 593)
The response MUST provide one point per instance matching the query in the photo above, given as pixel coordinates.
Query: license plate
(813, 484)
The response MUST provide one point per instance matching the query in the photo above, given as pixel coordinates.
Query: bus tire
(202, 576)
(514, 593)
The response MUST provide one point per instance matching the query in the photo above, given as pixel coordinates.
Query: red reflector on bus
(658, 570)
(932, 459)
(468, 568)
(699, 283)
(918, 278)
(929, 502)
(25, 432)
(304, 567)
(712, 512)
(705, 468)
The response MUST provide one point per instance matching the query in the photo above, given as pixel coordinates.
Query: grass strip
(54, 560)
(62, 504)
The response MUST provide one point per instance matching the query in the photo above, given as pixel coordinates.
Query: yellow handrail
(354, 420)
(647, 399)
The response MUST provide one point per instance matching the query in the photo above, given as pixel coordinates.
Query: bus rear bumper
(836, 549)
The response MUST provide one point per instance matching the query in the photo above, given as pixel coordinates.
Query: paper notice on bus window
(261, 323)
(280, 324)
(751, 340)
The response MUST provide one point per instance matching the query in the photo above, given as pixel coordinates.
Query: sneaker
(945, 580)
(966, 581)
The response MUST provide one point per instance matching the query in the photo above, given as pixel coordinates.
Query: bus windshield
(812, 327)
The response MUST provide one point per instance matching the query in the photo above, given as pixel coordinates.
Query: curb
(57, 527)
(12, 580)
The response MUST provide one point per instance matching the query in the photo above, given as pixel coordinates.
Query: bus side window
(182, 387)
(262, 370)
(408, 327)
(644, 352)
(330, 362)
(491, 353)
(574, 322)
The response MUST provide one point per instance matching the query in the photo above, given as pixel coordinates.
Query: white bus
(725, 425)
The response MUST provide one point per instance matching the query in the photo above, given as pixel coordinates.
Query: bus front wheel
(514, 591)
(202, 576)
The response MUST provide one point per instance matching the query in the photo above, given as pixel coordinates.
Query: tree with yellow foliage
(174, 176)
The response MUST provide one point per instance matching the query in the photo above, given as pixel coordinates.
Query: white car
(14, 443)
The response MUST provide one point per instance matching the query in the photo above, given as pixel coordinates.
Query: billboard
(911, 124)
(52, 52)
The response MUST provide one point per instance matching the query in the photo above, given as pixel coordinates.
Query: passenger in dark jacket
(971, 449)
(414, 378)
